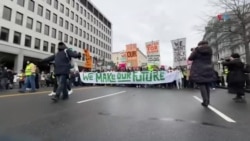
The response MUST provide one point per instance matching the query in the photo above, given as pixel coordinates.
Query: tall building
(223, 43)
(31, 30)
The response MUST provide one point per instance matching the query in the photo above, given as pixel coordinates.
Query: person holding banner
(202, 72)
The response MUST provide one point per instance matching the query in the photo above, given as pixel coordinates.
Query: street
(124, 114)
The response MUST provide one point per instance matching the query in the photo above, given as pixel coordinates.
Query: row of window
(29, 24)
(67, 13)
(4, 36)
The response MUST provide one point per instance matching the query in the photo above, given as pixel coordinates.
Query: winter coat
(202, 69)
(62, 60)
(236, 73)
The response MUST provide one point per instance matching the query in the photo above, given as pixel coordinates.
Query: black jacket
(62, 62)
(236, 71)
(202, 69)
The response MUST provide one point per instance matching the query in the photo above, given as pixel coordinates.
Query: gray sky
(140, 21)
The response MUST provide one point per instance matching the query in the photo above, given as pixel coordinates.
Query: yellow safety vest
(226, 71)
(30, 68)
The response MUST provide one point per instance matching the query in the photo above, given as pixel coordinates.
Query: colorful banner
(179, 49)
(143, 77)
(153, 53)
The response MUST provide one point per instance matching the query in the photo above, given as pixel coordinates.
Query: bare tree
(236, 28)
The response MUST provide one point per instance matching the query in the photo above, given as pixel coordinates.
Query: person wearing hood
(202, 72)
(62, 61)
(236, 76)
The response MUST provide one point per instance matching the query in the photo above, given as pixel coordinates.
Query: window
(7, 13)
(66, 38)
(19, 18)
(77, 6)
(76, 18)
(80, 44)
(80, 32)
(53, 33)
(27, 42)
(66, 25)
(68, 1)
(37, 44)
(61, 8)
(54, 18)
(72, 15)
(71, 40)
(20, 2)
(71, 27)
(17, 38)
(84, 34)
(61, 21)
(29, 23)
(75, 42)
(73, 3)
(60, 36)
(67, 12)
(39, 27)
(84, 23)
(83, 45)
(40, 10)
(85, 13)
(45, 46)
(87, 36)
(56, 4)
(88, 26)
(47, 14)
(80, 21)
(81, 10)
(53, 48)
(46, 30)
(88, 15)
(76, 30)
(49, 2)
(31, 5)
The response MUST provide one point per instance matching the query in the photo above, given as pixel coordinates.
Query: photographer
(236, 76)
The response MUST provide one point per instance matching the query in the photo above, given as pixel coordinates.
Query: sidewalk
(15, 91)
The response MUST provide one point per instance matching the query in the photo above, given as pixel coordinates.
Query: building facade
(31, 30)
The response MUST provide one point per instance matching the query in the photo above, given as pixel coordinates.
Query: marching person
(30, 73)
(236, 76)
(62, 68)
(202, 72)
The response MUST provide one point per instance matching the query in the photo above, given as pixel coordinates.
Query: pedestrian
(30, 74)
(202, 72)
(236, 76)
(62, 68)
(21, 79)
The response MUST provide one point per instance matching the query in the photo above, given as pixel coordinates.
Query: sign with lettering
(88, 63)
(153, 53)
(131, 54)
(179, 50)
(143, 77)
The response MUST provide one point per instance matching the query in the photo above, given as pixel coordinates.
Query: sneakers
(52, 94)
(70, 92)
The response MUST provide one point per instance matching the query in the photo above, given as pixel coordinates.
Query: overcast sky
(140, 21)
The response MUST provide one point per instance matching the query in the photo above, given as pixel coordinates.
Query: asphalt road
(124, 114)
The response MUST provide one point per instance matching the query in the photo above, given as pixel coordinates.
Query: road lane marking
(96, 98)
(225, 117)
(42, 92)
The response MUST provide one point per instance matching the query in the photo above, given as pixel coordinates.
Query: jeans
(29, 80)
(62, 86)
